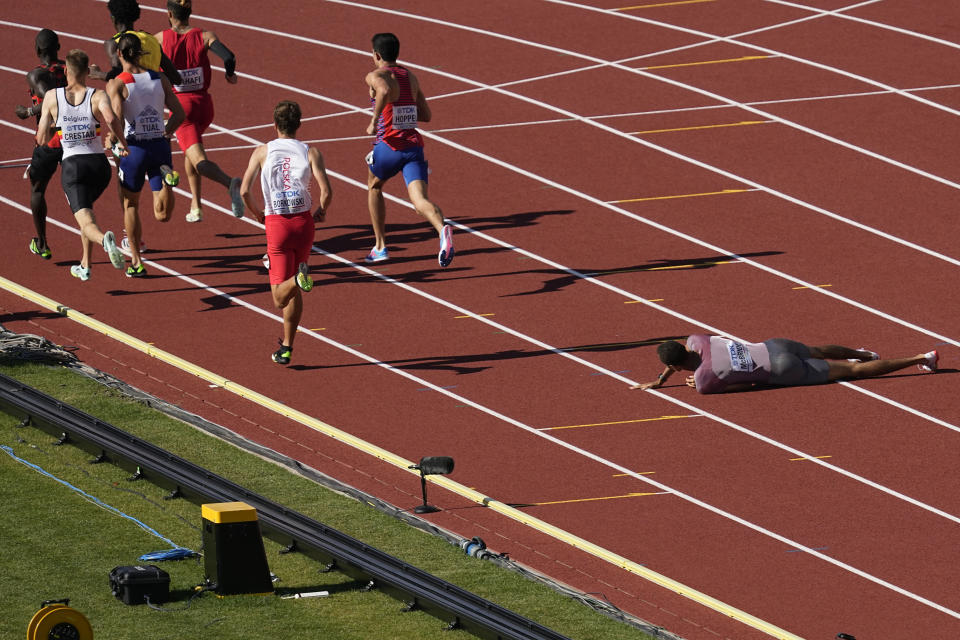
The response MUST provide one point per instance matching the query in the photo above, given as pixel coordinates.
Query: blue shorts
(145, 158)
(385, 163)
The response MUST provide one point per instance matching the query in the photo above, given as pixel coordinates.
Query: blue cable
(176, 553)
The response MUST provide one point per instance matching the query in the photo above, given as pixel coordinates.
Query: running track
(617, 177)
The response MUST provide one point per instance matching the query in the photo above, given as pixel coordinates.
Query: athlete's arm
(656, 384)
(40, 80)
(320, 175)
(379, 91)
(170, 71)
(246, 187)
(229, 60)
(104, 113)
(115, 92)
(48, 115)
(173, 104)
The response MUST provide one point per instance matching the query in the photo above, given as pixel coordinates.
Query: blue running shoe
(445, 257)
(376, 256)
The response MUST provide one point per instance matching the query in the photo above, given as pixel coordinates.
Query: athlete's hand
(371, 128)
(320, 215)
(22, 112)
(691, 382)
(95, 72)
(232, 79)
(643, 386)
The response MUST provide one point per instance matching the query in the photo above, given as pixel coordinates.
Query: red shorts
(289, 240)
(198, 114)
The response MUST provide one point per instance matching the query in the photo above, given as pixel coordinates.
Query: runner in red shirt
(47, 76)
(187, 47)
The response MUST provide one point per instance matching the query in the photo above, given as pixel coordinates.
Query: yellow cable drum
(57, 621)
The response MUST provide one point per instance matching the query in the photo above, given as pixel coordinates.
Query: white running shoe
(236, 200)
(873, 356)
(931, 364)
(195, 215)
(266, 261)
(125, 244)
(78, 271)
(110, 246)
(445, 257)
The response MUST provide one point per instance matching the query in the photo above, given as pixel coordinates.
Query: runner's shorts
(43, 163)
(144, 158)
(385, 163)
(289, 241)
(84, 177)
(198, 110)
(791, 364)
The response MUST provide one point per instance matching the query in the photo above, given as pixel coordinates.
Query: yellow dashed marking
(603, 424)
(702, 62)
(704, 126)
(801, 459)
(629, 495)
(814, 287)
(662, 4)
(682, 195)
(630, 475)
(639, 301)
(484, 315)
(665, 268)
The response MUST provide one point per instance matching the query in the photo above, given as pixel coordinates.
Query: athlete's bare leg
(196, 165)
(89, 233)
(130, 200)
(836, 352)
(38, 207)
(840, 369)
(287, 296)
(417, 191)
(163, 203)
(378, 209)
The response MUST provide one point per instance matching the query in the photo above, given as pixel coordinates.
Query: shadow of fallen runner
(475, 363)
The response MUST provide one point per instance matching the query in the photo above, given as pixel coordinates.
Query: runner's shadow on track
(564, 279)
(25, 316)
(473, 363)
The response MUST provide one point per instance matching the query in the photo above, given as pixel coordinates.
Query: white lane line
(552, 439)
(839, 13)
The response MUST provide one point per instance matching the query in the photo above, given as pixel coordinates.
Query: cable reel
(57, 621)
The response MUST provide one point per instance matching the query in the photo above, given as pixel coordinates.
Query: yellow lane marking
(630, 475)
(388, 457)
(666, 268)
(485, 315)
(742, 123)
(319, 329)
(702, 62)
(816, 457)
(639, 301)
(661, 4)
(683, 195)
(603, 424)
(814, 287)
(629, 495)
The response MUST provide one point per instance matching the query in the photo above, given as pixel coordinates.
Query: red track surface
(877, 519)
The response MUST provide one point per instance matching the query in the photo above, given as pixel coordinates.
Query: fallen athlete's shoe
(110, 246)
(873, 356)
(931, 363)
(376, 256)
(195, 215)
(445, 257)
(170, 176)
(79, 272)
(236, 200)
(282, 355)
(36, 250)
(138, 271)
(304, 281)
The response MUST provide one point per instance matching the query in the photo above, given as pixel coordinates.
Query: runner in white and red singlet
(398, 104)
(285, 165)
(187, 47)
(723, 365)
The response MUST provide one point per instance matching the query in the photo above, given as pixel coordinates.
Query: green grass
(57, 544)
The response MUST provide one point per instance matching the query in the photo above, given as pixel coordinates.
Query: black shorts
(84, 178)
(791, 364)
(44, 163)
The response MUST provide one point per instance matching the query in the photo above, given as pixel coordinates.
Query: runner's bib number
(740, 359)
(405, 116)
(192, 80)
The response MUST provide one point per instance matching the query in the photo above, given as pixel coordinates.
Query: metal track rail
(417, 589)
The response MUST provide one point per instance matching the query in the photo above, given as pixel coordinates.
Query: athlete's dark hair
(47, 42)
(129, 47)
(387, 45)
(181, 9)
(286, 115)
(78, 61)
(672, 353)
(124, 11)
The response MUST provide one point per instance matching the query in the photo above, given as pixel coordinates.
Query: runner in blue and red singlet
(398, 104)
